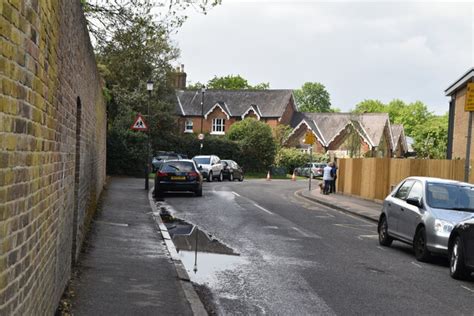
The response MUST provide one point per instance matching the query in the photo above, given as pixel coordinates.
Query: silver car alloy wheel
(455, 257)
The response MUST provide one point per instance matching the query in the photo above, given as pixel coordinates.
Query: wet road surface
(297, 257)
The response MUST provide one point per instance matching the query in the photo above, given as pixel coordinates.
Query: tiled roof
(398, 133)
(270, 103)
(330, 125)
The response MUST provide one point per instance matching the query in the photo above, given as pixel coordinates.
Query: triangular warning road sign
(139, 124)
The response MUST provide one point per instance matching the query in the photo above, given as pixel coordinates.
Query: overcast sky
(357, 49)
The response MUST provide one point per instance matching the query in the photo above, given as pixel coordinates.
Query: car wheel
(384, 237)
(210, 177)
(231, 177)
(457, 269)
(241, 177)
(419, 246)
(221, 177)
(198, 192)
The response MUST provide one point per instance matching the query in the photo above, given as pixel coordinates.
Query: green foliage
(290, 158)
(370, 106)
(256, 142)
(411, 116)
(281, 133)
(313, 97)
(104, 16)
(431, 138)
(232, 82)
(126, 152)
(136, 53)
(195, 86)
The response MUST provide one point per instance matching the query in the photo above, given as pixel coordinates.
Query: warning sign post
(139, 124)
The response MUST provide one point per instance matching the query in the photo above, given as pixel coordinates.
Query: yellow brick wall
(461, 121)
(46, 65)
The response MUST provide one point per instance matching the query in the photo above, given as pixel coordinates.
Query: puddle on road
(208, 264)
(211, 257)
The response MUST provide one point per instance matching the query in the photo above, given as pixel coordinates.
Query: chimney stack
(179, 78)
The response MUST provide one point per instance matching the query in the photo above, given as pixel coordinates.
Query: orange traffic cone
(268, 176)
(293, 177)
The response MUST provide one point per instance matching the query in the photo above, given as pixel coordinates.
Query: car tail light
(193, 174)
(161, 174)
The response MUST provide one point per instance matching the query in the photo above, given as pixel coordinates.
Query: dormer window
(188, 126)
(218, 126)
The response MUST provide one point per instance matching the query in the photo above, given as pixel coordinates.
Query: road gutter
(194, 301)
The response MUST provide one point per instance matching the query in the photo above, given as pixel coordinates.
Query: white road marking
(263, 209)
(235, 193)
(382, 248)
(270, 227)
(324, 216)
(301, 232)
(112, 224)
(466, 288)
(416, 264)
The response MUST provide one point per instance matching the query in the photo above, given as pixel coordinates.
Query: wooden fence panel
(373, 178)
(367, 179)
(356, 180)
(382, 176)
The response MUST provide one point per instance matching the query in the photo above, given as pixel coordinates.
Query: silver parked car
(422, 211)
(210, 167)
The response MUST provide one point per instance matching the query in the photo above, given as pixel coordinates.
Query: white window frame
(186, 125)
(218, 126)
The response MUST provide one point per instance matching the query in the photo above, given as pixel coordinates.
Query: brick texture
(52, 151)
(460, 127)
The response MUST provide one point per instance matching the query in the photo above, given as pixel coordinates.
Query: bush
(256, 142)
(126, 152)
(290, 158)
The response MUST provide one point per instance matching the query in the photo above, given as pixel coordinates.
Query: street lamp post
(203, 90)
(149, 88)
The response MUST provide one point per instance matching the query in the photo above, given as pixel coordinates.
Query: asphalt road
(300, 258)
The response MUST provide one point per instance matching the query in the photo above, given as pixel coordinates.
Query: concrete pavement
(368, 209)
(126, 267)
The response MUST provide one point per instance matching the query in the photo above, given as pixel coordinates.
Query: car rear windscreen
(203, 160)
(177, 166)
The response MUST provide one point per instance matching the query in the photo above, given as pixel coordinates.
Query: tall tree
(135, 54)
(103, 16)
(232, 82)
(431, 137)
(370, 106)
(313, 97)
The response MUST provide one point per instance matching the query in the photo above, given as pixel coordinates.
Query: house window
(218, 126)
(188, 127)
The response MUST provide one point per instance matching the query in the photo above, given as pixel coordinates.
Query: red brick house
(214, 111)
(345, 134)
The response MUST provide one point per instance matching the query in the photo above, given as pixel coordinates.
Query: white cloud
(359, 50)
